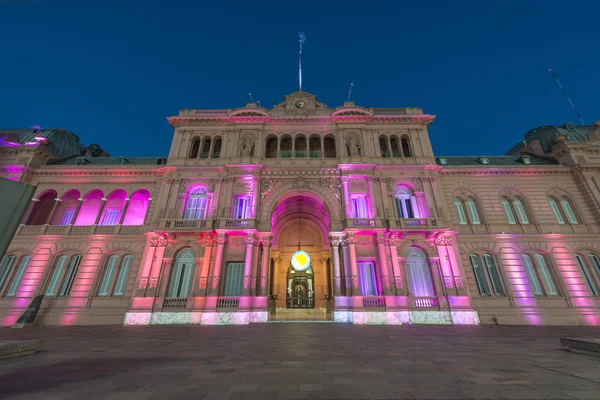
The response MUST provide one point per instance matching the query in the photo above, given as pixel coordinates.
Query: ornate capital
(380, 238)
(336, 240)
(266, 241)
(159, 240)
(351, 238)
(441, 239)
(250, 238)
(221, 239)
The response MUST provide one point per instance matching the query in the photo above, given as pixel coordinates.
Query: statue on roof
(353, 146)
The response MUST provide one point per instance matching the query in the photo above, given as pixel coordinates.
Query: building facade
(305, 212)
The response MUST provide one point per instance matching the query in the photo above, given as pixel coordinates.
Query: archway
(301, 275)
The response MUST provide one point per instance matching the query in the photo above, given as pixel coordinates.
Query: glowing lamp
(300, 260)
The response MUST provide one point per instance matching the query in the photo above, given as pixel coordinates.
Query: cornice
(519, 172)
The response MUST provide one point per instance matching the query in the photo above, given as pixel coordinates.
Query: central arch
(301, 222)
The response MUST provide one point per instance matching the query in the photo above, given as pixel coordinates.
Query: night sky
(112, 71)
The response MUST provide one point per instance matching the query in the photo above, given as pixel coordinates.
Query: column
(125, 207)
(27, 215)
(265, 267)
(278, 146)
(422, 205)
(100, 211)
(347, 272)
(436, 275)
(322, 147)
(255, 197)
(216, 275)
(147, 211)
(389, 143)
(207, 242)
(380, 239)
(76, 213)
(254, 282)
(347, 207)
(57, 201)
(376, 204)
(353, 267)
(248, 264)
(392, 243)
(293, 147)
(337, 275)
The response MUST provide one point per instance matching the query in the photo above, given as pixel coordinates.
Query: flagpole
(302, 39)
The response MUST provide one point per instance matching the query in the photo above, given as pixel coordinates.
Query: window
(241, 207)
(460, 211)
(195, 148)
(111, 217)
(472, 210)
(405, 203)
(383, 146)
(195, 207)
(510, 215)
(419, 276)
(566, 205)
(217, 148)
(556, 210)
(182, 274)
(518, 203)
(487, 275)
(588, 270)
(359, 207)
(67, 217)
(539, 275)
(63, 276)
(366, 277)
(405, 143)
(109, 284)
(234, 278)
(9, 277)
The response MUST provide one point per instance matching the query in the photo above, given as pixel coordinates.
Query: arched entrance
(301, 279)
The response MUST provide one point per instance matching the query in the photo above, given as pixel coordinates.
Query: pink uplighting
(138, 207)
(90, 208)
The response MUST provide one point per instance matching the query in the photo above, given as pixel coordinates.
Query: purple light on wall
(138, 207)
(114, 205)
(90, 207)
(67, 207)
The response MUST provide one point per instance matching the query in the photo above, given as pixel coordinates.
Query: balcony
(374, 302)
(236, 223)
(74, 230)
(415, 223)
(186, 225)
(175, 302)
(426, 302)
(365, 223)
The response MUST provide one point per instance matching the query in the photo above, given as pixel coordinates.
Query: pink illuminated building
(306, 212)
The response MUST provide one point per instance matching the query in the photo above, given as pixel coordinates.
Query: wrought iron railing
(300, 302)
(228, 302)
(300, 154)
(314, 153)
(175, 302)
(414, 222)
(285, 154)
(374, 302)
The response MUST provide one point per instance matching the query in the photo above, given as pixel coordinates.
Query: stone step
(17, 348)
(589, 346)
(300, 321)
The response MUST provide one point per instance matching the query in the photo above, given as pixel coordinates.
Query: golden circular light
(300, 260)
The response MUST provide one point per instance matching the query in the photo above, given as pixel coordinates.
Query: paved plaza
(300, 361)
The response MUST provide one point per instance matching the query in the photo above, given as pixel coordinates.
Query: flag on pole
(302, 39)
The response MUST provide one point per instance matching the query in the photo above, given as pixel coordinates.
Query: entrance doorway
(300, 291)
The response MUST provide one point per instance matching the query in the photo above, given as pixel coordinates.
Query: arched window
(556, 210)
(405, 142)
(137, 208)
(329, 147)
(285, 150)
(472, 211)
(92, 202)
(590, 270)
(394, 147)
(63, 275)
(300, 146)
(487, 274)
(314, 147)
(383, 146)
(113, 207)
(40, 213)
(195, 206)
(566, 205)
(217, 148)
(11, 275)
(366, 278)
(520, 208)
(406, 203)
(460, 211)
(419, 276)
(271, 147)
(195, 148)
(508, 210)
(540, 277)
(205, 148)
(115, 276)
(182, 274)
(65, 212)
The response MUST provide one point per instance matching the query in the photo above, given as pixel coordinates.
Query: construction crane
(566, 95)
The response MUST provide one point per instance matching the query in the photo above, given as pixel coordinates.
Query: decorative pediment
(300, 103)
(249, 112)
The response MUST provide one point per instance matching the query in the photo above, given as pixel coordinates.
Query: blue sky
(112, 71)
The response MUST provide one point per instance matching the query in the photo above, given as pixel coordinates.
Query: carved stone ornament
(267, 185)
(351, 238)
(143, 283)
(221, 239)
(399, 283)
(210, 185)
(153, 283)
(203, 283)
(247, 145)
(214, 282)
(250, 239)
(300, 183)
(353, 145)
(380, 238)
(389, 184)
(441, 239)
(160, 240)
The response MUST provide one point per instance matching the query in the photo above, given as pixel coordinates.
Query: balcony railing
(300, 154)
(32, 230)
(237, 223)
(285, 153)
(175, 302)
(187, 224)
(228, 302)
(314, 153)
(414, 223)
(365, 222)
(426, 302)
(373, 302)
